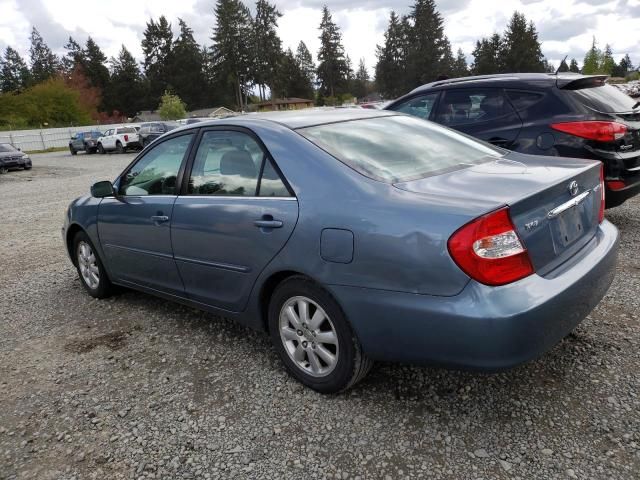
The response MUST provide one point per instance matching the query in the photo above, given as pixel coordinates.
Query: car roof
(503, 79)
(300, 118)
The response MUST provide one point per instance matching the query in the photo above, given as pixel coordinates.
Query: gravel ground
(136, 387)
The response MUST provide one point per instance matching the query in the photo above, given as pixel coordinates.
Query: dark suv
(152, 130)
(566, 115)
(84, 141)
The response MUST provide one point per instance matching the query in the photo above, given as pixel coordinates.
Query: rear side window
(399, 148)
(523, 100)
(420, 106)
(605, 98)
(229, 163)
(468, 106)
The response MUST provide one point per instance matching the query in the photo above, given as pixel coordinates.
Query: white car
(119, 139)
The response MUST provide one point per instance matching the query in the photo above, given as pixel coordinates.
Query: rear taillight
(616, 184)
(489, 250)
(601, 212)
(126, 138)
(593, 130)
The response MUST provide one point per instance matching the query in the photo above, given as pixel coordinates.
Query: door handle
(158, 219)
(267, 221)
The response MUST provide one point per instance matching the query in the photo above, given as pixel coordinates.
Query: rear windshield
(5, 147)
(605, 98)
(399, 148)
(91, 134)
(127, 130)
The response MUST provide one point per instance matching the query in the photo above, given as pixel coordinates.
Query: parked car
(354, 236)
(119, 139)
(564, 115)
(84, 142)
(12, 157)
(150, 131)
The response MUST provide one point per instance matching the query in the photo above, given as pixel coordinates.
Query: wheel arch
(72, 231)
(267, 289)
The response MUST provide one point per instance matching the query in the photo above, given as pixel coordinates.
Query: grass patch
(48, 150)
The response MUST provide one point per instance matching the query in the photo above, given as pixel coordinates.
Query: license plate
(569, 226)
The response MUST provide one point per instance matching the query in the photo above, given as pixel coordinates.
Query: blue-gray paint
(403, 294)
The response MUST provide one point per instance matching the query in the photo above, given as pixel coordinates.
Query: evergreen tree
(447, 61)
(307, 67)
(460, 67)
(94, 65)
(267, 46)
(361, 81)
(487, 56)
(521, 50)
(125, 92)
(44, 64)
(332, 64)
(156, 47)
(14, 73)
(186, 74)
(573, 66)
(231, 59)
(292, 80)
(427, 43)
(607, 64)
(592, 60)
(73, 57)
(391, 68)
(563, 66)
(624, 67)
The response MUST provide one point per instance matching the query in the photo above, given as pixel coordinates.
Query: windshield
(399, 148)
(605, 98)
(5, 147)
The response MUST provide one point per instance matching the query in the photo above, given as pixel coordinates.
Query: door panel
(236, 216)
(138, 246)
(220, 250)
(135, 227)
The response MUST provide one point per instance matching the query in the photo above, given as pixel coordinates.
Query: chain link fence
(43, 139)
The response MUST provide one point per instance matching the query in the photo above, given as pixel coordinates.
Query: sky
(565, 27)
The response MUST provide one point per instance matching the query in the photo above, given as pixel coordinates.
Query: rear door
(484, 113)
(236, 214)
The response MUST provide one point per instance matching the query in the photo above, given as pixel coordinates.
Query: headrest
(237, 162)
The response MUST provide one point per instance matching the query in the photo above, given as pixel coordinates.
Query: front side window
(156, 172)
(229, 163)
(399, 148)
(420, 106)
(468, 106)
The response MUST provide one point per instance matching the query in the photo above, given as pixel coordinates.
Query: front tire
(72, 150)
(92, 274)
(313, 337)
(101, 149)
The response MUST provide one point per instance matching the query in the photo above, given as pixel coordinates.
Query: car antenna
(558, 69)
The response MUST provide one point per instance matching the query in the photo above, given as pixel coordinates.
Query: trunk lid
(554, 202)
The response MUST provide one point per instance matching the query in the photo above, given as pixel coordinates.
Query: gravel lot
(136, 387)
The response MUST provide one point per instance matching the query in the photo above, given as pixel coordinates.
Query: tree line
(247, 63)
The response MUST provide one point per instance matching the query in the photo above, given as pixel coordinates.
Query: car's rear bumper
(487, 328)
(614, 198)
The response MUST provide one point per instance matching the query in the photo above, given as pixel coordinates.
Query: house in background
(211, 112)
(284, 104)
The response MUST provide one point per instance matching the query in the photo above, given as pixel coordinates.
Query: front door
(484, 113)
(236, 215)
(134, 227)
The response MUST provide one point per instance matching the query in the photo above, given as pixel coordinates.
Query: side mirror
(102, 189)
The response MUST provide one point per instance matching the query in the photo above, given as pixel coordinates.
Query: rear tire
(119, 148)
(92, 274)
(313, 337)
(73, 150)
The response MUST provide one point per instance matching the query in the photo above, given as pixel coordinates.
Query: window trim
(145, 152)
(184, 187)
(501, 117)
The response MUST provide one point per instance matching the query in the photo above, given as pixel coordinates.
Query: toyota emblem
(573, 188)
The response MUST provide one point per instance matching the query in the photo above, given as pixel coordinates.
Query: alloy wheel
(88, 265)
(309, 337)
